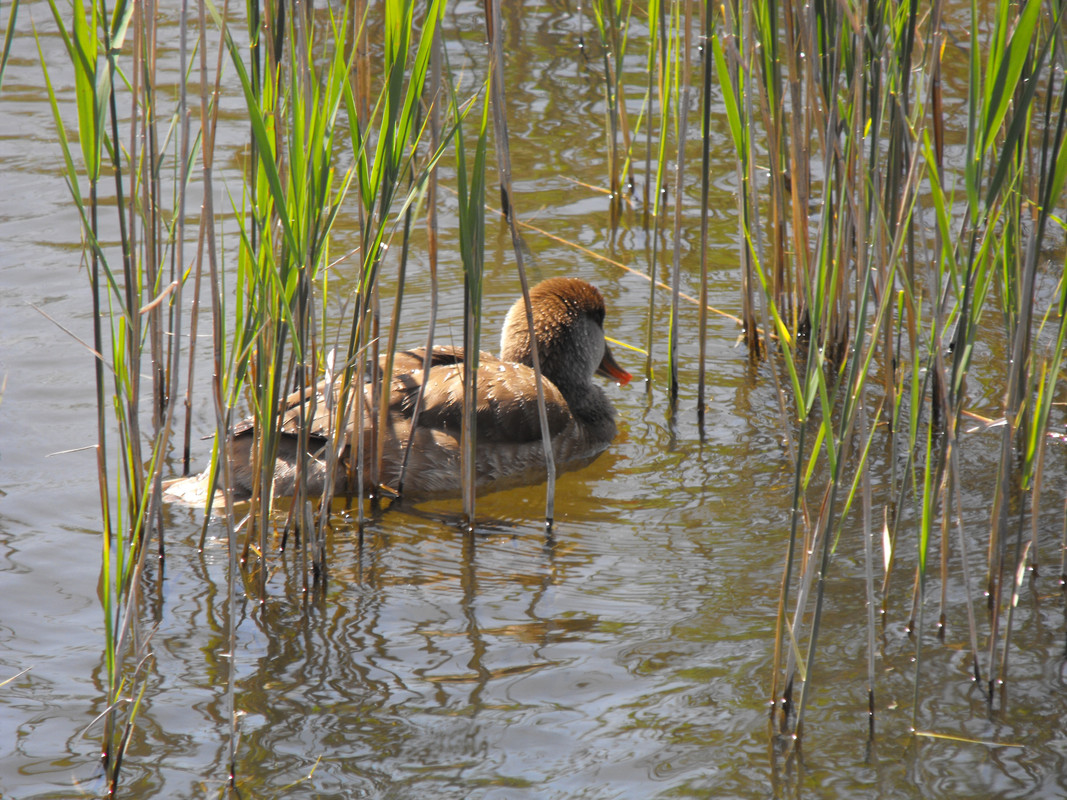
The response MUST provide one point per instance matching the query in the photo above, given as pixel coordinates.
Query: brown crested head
(559, 306)
(568, 326)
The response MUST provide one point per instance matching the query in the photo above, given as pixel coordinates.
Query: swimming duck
(568, 316)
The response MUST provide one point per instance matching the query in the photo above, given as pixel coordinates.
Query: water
(627, 655)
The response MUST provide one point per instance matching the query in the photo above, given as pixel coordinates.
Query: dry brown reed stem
(503, 153)
(734, 34)
(390, 350)
(613, 27)
(679, 196)
(867, 432)
(434, 112)
(196, 271)
(468, 430)
(373, 365)
(352, 382)
(705, 186)
(207, 240)
(621, 110)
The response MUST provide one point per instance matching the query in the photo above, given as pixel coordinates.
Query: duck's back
(507, 397)
(510, 448)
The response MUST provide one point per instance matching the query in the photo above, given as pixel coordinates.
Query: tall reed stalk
(661, 71)
(612, 20)
(503, 155)
(471, 189)
(9, 35)
(708, 53)
(682, 27)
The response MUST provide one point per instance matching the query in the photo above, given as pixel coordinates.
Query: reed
(435, 131)
(708, 54)
(661, 69)
(471, 189)
(867, 337)
(268, 332)
(129, 239)
(468, 221)
(612, 21)
(681, 36)
(9, 35)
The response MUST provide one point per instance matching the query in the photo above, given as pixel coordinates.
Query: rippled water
(626, 656)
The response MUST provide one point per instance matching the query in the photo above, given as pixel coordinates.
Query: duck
(568, 319)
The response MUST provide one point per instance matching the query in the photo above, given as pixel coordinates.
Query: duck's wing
(310, 407)
(507, 397)
(404, 362)
(297, 406)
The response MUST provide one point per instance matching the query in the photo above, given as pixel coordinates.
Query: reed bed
(879, 264)
(327, 125)
(869, 265)
(136, 293)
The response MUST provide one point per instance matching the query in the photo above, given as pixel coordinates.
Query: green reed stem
(471, 192)
(682, 28)
(707, 62)
(9, 35)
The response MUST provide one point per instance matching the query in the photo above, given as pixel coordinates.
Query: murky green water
(626, 656)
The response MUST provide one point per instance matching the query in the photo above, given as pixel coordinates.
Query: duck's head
(568, 316)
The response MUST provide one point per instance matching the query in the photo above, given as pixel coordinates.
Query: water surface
(627, 655)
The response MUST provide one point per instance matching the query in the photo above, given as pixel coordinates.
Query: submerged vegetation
(878, 244)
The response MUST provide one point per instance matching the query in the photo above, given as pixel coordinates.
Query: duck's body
(568, 317)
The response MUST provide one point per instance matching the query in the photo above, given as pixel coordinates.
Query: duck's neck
(591, 409)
